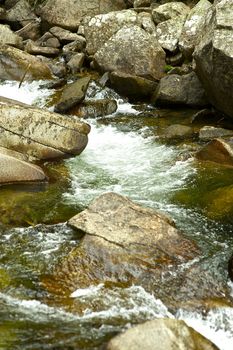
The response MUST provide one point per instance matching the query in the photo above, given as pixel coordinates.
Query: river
(124, 155)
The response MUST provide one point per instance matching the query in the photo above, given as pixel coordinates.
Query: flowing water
(124, 155)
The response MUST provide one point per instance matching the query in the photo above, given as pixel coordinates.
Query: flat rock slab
(123, 243)
(14, 171)
(161, 334)
(39, 133)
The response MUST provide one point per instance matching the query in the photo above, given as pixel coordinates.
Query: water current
(123, 155)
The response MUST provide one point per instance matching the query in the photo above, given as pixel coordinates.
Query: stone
(218, 151)
(132, 86)
(160, 334)
(75, 46)
(68, 14)
(76, 62)
(208, 133)
(132, 51)
(72, 95)
(177, 131)
(20, 14)
(126, 241)
(168, 33)
(30, 31)
(41, 134)
(34, 49)
(146, 21)
(63, 35)
(13, 171)
(141, 3)
(214, 56)
(49, 40)
(95, 108)
(99, 29)
(169, 10)
(180, 90)
(193, 28)
(14, 63)
(7, 36)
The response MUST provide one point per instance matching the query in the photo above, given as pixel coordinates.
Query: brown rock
(217, 151)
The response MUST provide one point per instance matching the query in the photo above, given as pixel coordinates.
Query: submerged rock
(177, 131)
(218, 151)
(14, 64)
(41, 134)
(95, 108)
(214, 56)
(13, 171)
(208, 133)
(123, 243)
(161, 334)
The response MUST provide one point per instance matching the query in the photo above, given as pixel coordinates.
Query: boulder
(146, 22)
(169, 10)
(63, 35)
(75, 46)
(180, 90)
(126, 241)
(132, 86)
(161, 334)
(34, 49)
(177, 131)
(132, 51)
(141, 3)
(214, 56)
(41, 134)
(14, 64)
(95, 108)
(7, 36)
(30, 31)
(208, 133)
(13, 171)
(48, 40)
(168, 33)
(20, 14)
(76, 62)
(68, 13)
(218, 151)
(72, 95)
(100, 28)
(193, 28)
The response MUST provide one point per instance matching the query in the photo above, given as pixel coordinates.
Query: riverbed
(125, 155)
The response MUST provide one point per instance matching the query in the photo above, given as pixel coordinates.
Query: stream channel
(124, 155)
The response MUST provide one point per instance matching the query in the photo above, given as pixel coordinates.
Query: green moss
(167, 68)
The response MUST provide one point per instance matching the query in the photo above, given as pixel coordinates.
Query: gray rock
(76, 62)
(68, 14)
(177, 131)
(141, 3)
(193, 28)
(208, 133)
(40, 134)
(72, 95)
(146, 22)
(34, 49)
(101, 28)
(30, 31)
(13, 171)
(132, 51)
(75, 46)
(49, 40)
(132, 86)
(168, 33)
(95, 108)
(63, 35)
(169, 10)
(161, 334)
(214, 56)
(15, 63)
(20, 14)
(7, 36)
(180, 90)
(218, 151)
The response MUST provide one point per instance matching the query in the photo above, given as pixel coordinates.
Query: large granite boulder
(7, 36)
(125, 241)
(214, 56)
(14, 171)
(169, 10)
(193, 28)
(180, 90)
(100, 28)
(16, 64)
(69, 13)
(41, 134)
(161, 334)
(132, 51)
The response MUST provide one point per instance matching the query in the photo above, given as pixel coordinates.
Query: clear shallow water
(130, 162)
